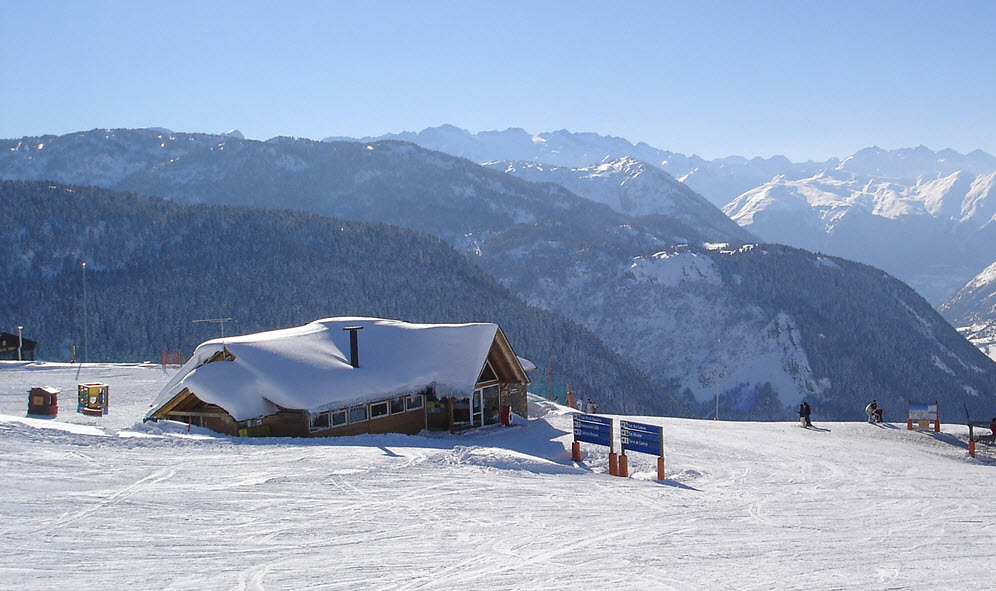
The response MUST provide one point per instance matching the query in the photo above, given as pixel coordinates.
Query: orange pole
(909, 424)
(660, 469)
(623, 466)
(937, 426)
(576, 451)
(613, 464)
(971, 448)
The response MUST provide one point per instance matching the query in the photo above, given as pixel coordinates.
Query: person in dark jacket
(806, 412)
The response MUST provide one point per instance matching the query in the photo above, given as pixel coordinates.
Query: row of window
(365, 412)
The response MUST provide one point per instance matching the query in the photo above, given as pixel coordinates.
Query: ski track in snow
(107, 502)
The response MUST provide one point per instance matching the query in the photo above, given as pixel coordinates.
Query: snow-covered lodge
(347, 376)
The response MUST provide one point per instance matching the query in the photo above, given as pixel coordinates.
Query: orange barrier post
(623, 466)
(660, 469)
(613, 464)
(937, 426)
(570, 399)
(971, 448)
(576, 451)
(909, 424)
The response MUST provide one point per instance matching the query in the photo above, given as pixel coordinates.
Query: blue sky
(808, 80)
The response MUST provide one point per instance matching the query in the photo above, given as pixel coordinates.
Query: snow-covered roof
(308, 367)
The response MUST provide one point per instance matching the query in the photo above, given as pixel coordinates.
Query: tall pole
(716, 418)
(86, 353)
(548, 380)
(20, 342)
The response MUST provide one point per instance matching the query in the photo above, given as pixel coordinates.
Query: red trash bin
(43, 401)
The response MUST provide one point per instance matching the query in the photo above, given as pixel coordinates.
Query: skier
(807, 411)
(802, 414)
(873, 413)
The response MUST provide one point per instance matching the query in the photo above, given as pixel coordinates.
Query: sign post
(921, 416)
(643, 438)
(591, 429)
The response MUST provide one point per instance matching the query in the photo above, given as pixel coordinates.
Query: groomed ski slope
(110, 503)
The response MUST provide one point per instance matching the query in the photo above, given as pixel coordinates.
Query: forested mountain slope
(760, 326)
(154, 266)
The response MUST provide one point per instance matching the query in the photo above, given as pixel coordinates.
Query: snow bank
(745, 505)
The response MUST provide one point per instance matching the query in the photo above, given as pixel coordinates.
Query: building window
(338, 418)
(320, 422)
(357, 414)
(378, 409)
(414, 402)
(487, 374)
(398, 406)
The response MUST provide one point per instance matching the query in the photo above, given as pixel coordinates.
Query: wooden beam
(173, 403)
(195, 413)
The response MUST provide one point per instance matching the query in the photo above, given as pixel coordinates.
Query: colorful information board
(923, 411)
(923, 417)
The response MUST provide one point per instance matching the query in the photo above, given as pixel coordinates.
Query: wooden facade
(9, 344)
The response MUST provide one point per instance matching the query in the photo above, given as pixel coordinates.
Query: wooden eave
(187, 404)
(177, 400)
(504, 361)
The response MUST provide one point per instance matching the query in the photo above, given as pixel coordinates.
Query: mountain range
(686, 297)
(632, 187)
(926, 217)
(934, 232)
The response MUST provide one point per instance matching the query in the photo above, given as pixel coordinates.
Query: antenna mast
(220, 322)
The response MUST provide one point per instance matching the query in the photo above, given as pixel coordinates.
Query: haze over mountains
(926, 217)
(679, 293)
(631, 187)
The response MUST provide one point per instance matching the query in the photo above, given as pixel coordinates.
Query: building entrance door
(477, 408)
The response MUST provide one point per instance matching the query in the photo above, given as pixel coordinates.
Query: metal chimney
(354, 349)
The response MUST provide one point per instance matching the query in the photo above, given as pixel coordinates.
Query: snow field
(109, 502)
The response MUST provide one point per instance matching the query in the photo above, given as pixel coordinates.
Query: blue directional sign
(640, 437)
(597, 419)
(593, 429)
